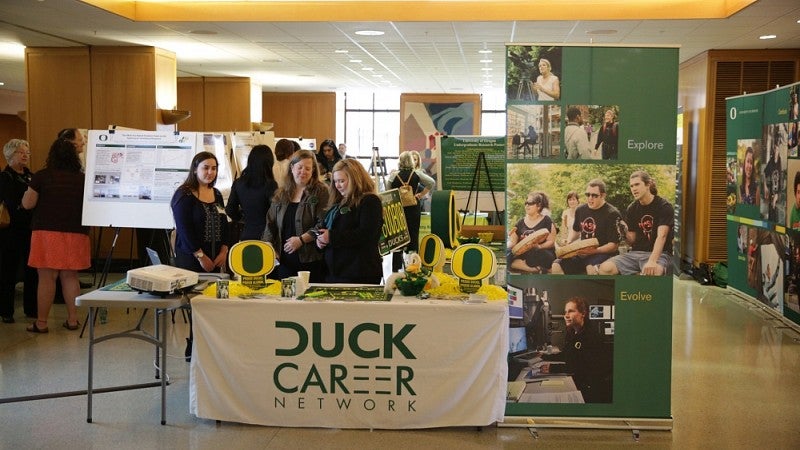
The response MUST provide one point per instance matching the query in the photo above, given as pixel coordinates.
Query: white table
(103, 298)
(407, 363)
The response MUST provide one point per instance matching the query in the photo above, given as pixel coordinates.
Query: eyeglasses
(23, 152)
(531, 203)
(592, 195)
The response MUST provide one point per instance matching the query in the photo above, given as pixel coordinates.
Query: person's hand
(323, 239)
(544, 368)
(651, 268)
(206, 263)
(292, 244)
(221, 258)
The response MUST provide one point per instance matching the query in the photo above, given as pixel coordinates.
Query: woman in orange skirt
(59, 243)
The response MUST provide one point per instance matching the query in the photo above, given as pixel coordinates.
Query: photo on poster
(771, 293)
(524, 126)
(567, 354)
(741, 239)
(533, 73)
(793, 194)
(733, 169)
(794, 135)
(591, 132)
(574, 218)
(748, 154)
(792, 281)
(773, 198)
(765, 265)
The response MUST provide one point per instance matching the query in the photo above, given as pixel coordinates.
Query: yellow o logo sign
(431, 252)
(251, 258)
(473, 262)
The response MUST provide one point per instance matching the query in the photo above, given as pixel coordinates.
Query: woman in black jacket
(352, 227)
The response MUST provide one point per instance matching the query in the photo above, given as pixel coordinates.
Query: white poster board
(244, 141)
(132, 175)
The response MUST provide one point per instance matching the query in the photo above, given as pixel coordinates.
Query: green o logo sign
(251, 258)
(445, 220)
(473, 262)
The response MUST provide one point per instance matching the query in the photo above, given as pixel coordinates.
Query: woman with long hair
(201, 227)
(252, 192)
(296, 210)
(352, 227)
(749, 188)
(539, 258)
(547, 86)
(59, 243)
(327, 157)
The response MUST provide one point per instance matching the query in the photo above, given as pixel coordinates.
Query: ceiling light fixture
(486, 68)
(767, 36)
(486, 60)
(485, 51)
(601, 32)
(340, 50)
(367, 68)
(355, 60)
(369, 33)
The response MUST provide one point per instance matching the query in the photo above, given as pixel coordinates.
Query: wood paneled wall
(11, 127)
(306, 114)
(59, 95)
(191, 98)
(705, 82)
(216, 103)
(92, 88)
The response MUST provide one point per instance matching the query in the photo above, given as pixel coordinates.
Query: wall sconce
(261, 126)
(173, 116)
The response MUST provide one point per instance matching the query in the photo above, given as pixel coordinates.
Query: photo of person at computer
(566, 353)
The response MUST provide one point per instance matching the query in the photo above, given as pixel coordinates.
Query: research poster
(590, 194)
(763, 201)
(131, 176)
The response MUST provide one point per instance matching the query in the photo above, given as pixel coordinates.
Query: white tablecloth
(402, 364)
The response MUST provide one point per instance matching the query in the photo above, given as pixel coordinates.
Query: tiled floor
(735, 384)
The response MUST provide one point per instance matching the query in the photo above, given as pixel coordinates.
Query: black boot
(188, 352)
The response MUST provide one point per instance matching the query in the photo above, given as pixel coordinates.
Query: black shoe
(8, 319)
(188, 352)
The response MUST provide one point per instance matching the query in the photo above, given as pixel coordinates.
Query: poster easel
(475, 187)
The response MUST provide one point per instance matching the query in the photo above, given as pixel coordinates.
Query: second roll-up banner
(590, 150)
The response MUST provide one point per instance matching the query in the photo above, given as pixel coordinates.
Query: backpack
(407, 197)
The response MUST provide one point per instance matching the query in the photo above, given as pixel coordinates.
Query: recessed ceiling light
(369, 33)
(600, 32)
(340, 50)
(355, 60)
(486, 61)
(203, 32)
(485, 51)
(486, 68)
(2, 84)
(767, 36)
(377, 75)
(367, 68)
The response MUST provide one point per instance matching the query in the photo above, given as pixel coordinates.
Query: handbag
(407, 197)
(5, 218)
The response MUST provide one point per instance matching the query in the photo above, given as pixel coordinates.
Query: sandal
(71, 327)
(34, 329)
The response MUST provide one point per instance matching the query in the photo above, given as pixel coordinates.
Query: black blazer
(352, 254)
